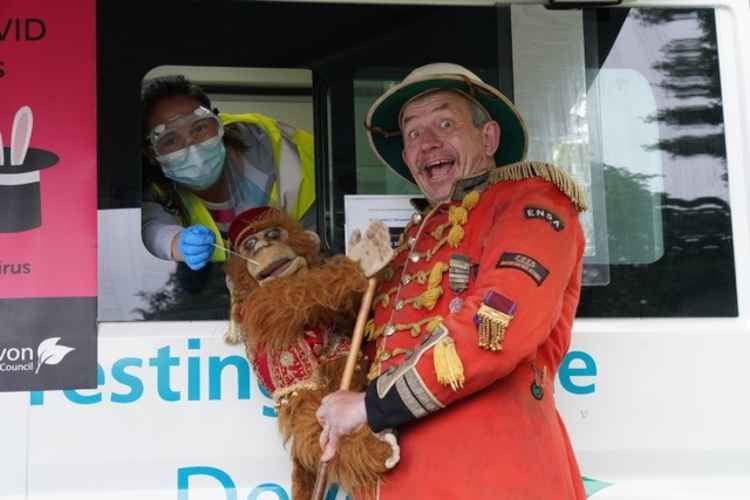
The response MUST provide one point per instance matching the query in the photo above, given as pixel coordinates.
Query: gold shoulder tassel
(557, 176)
(448, 366)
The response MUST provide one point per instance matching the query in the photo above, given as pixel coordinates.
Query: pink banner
(48, 179)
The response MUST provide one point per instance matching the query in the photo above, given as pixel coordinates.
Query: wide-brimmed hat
(383, 119)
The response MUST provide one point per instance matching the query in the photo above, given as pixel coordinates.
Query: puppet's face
(270, 255)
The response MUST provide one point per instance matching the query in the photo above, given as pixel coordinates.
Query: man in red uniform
(473, 315)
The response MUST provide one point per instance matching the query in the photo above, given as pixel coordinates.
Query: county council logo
(22, 359)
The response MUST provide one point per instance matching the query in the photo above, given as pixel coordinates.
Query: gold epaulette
(557, 176)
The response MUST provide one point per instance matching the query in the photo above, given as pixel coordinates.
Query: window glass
(372, 176)
(631, 105)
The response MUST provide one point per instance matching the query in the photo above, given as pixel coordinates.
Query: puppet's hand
(389, 437)
(373, 250)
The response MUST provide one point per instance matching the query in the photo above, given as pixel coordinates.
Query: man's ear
(491, 137)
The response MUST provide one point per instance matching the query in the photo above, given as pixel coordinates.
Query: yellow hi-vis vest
(195, 212)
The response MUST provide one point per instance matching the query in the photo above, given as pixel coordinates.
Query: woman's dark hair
(163, 87)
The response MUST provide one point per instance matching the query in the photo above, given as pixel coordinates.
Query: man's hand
(373, 250)
(341, 412)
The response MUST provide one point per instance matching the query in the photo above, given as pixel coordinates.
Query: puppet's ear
(313, 236)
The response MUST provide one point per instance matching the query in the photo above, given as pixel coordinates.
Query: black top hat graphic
(20, 197)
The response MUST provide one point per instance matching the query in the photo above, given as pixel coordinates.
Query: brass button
(405, 279)
(389, 330)
(399, 305)
(416, 218)
(414, 257)
(412, 242)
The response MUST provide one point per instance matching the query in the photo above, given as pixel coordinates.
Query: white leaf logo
(49, 353)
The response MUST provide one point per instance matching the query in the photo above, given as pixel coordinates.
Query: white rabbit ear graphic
(21, 135)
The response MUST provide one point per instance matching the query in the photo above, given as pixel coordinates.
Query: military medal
(537, 389)
(492, 319)
(458, 272)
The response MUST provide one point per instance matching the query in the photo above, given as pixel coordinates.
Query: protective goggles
(172, 139)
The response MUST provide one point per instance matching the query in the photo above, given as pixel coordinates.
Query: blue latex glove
(196, 246)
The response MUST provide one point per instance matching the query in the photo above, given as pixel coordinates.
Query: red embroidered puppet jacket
(282, 372)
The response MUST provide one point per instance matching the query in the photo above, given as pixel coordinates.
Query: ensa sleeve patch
(544, 214)
(524, 263)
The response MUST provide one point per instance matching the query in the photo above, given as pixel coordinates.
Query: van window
(660, 148)
(629, 101)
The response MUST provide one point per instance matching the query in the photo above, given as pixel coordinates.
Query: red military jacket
(472, 320)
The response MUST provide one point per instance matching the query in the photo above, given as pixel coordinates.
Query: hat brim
(36, 159)
(384, 117)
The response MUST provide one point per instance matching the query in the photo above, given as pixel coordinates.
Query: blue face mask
(198, 168)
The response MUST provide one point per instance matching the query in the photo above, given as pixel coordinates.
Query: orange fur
(277, 312)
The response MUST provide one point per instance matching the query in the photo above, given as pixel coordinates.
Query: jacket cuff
(383, 413)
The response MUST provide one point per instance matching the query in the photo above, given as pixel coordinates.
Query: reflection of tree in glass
(695, 274)
(630, 216)
(188, 295)
(691, 73)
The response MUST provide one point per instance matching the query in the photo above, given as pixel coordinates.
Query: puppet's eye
(249, 244)
(273, 234)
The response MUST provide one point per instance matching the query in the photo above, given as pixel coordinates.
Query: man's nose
(430, 140)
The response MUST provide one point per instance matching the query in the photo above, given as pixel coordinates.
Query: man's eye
(273, 234)
(413, 134)
(446, 123)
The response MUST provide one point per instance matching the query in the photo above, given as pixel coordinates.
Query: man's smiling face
(442, 144)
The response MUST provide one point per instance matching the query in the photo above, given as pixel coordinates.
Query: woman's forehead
(171, 108)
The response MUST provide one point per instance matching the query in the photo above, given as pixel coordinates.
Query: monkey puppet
(293, 310)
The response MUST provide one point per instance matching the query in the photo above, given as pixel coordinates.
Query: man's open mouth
(436, 169)
(274, 268)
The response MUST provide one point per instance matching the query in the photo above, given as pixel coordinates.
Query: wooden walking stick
(346, 379)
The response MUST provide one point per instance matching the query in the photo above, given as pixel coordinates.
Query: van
(645, 103)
